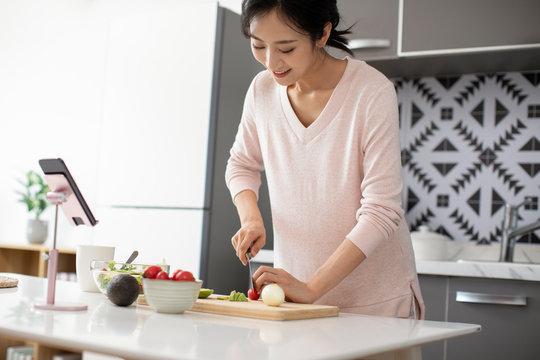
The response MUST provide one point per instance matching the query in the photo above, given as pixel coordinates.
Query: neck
(325, 73)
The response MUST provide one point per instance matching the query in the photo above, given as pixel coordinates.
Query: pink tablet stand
(56, 198)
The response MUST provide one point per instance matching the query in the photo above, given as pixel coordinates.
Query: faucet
(510, 231)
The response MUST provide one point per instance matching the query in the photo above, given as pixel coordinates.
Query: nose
(272, 61)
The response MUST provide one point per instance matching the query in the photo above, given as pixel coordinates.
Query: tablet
(59, 179)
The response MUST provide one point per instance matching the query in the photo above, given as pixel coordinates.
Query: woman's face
(286, 53)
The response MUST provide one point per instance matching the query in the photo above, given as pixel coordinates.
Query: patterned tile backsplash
(470, 144)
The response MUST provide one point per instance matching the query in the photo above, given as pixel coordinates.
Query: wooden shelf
(41, 351)
(28, 259)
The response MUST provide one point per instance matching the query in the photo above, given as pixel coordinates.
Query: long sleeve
(245, 162)
(380, 212)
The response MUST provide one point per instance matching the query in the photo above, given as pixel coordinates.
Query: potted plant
(34, 197)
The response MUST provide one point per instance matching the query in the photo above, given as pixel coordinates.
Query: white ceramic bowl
(169, 296)
(104, 271)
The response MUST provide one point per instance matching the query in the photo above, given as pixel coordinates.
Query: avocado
(123, 290)
(204, 293)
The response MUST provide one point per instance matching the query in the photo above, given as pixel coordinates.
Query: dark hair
(307, 15)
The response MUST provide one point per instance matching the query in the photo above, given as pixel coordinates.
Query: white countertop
(469, 261)
(137, 332)
(484, 269)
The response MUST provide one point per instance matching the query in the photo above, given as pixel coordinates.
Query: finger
(240, 235)
(261, 269)
(267, 277)
(234, 240)
(244, 246)
(256, 247)
(239, 253)
(237, 241)
(257, 244)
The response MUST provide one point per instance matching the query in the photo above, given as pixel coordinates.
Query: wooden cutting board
(7, 282)
(258, 310)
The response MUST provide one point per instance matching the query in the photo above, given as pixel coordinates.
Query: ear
(325, 35)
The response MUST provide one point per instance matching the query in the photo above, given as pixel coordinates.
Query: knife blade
(248, 256)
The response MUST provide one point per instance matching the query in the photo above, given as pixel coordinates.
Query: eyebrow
(276, 42)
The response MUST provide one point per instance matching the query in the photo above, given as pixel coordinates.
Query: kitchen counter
(482, 263)
(484, 269)
(138, 332)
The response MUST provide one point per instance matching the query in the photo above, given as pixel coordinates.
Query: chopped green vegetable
(110, 265)
(117, 267)
(237, 296)
(204, 293)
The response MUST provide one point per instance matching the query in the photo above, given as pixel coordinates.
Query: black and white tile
(469, 144)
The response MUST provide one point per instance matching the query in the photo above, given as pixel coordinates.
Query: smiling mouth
(281, 73)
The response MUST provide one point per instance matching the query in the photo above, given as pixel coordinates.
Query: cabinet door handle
(356, 44)
(479, 298)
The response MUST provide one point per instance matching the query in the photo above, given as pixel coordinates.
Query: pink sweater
(338, 178)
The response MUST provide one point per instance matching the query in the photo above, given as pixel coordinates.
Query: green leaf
(40, 181)
(23, 183)
(36, 191)
(33, 178)
(27, 202)
(129, 268)
(42, 204)
(20, 193)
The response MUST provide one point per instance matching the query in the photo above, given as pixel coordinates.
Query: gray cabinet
(508, 331)
(457, 26)
(434, 290)
(440, 37)
(508, 310)
(375, 27)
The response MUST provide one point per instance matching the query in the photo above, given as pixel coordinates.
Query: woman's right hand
(251, 234)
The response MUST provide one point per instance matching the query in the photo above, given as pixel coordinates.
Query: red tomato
(151, 272)
(174, 273)
(162, 275)
(184, 276)
(253, 294)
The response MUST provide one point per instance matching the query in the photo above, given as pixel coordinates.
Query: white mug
(85, 255)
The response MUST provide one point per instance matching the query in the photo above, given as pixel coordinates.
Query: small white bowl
(169, 296)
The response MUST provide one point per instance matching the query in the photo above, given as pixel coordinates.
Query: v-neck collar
(306, 134)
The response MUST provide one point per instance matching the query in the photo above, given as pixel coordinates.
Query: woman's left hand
(295, 290)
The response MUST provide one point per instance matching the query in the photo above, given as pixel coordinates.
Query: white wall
(52, 57)
(59, 96)
(233, 5)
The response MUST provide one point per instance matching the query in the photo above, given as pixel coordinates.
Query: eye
(287, 51)
(257, 47)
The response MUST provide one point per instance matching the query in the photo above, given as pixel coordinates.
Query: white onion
(273, 295)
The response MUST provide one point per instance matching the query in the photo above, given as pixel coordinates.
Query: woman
(325, 130)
